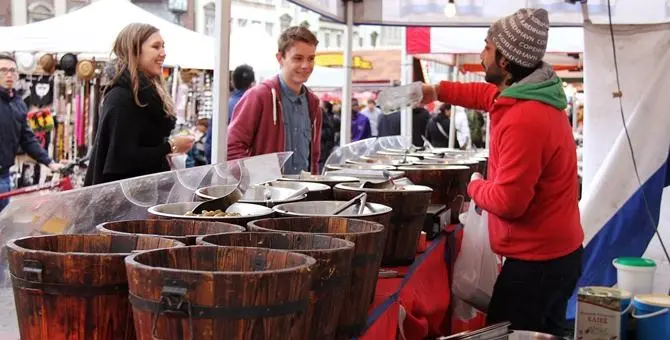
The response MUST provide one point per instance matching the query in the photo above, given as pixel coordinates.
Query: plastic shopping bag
(476, 268)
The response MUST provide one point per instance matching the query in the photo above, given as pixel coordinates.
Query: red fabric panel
(386, 326)
(426, 296)
(418, 40)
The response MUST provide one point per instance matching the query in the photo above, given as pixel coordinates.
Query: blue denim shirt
(297, 128)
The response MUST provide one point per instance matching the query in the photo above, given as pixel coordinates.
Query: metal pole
(488, 130)
(221, 88)
(345, 116)
(452, 120)
(405, 79)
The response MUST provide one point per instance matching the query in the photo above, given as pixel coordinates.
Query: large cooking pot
(477, 163)
(414, 154)
(248, 212)
(254, 195)
(409, 205)
(359, 167)
(449, 184)
(529, 335)
(329, 180)
(483, 164)
(373, 211)
(317, 191)
(389, 159)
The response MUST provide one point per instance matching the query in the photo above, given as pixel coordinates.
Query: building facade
(272, 15)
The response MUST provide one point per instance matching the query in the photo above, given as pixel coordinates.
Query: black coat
(131, 140)
(15, 133)
(329, 129)
(389, 125)
(435, 136)
(420, 118)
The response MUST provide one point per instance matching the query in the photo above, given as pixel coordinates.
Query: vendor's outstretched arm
(475, 96)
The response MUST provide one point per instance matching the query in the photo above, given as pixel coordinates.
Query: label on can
(599, 313)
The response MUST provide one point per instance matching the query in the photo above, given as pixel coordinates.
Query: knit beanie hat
(522, 36)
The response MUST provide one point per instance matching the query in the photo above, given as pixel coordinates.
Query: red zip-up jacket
(257, 127)
(531, 189)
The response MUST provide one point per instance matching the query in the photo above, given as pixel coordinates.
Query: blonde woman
(137, 113)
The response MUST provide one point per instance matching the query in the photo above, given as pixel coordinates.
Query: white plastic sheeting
(93, 29)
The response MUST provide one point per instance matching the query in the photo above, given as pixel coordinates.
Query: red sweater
(532, 186)
(257, 127)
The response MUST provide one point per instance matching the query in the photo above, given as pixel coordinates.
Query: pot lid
(635, 262)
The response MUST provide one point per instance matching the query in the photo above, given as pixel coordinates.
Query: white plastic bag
(476, 268)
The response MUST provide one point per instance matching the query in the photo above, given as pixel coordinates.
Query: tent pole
(221, 82)
(452, 119)
(345, 116)
(405, 79)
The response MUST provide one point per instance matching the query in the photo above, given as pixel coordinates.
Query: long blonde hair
(127, 48)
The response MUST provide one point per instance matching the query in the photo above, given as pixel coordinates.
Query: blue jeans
(4, 187)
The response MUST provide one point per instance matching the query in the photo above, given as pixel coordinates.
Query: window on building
(242, 22)
(38, 11)
(373, 38)
(326, 40)
(269, 28)
(360, 42)
(285, 22)
(338, 40)
(210, 18)
(391, 36)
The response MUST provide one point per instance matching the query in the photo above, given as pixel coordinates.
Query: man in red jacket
(531, 192)
(281, 114)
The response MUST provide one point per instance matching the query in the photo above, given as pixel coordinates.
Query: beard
(493, 75)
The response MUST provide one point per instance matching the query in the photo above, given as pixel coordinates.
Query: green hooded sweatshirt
(547, 91)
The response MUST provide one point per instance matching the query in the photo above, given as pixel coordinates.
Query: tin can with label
(602, 313)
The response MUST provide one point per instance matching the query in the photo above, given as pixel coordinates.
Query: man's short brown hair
(294, 34)
(7, 56)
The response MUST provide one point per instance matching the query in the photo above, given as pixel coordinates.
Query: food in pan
(213, 213)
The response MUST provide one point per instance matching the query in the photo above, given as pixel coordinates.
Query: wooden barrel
(332, 271)
(185, 231)
(368, 238)
(74, 286)
(207, 292)
(449, 184)
(409, 204)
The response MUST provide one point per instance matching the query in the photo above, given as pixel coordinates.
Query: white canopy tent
(92, 30)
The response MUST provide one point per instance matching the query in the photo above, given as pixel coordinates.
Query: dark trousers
(5, 186)
(533, 295)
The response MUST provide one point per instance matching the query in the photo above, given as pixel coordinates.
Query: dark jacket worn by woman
(131, 140)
